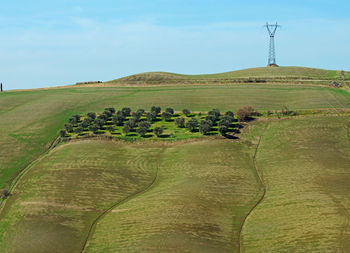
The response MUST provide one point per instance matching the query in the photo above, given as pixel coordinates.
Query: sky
(57, 42)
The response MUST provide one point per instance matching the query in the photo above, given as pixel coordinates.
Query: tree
(68, 127)
(111, 109)
(166, 116)
(62, 133)
(205, 126)
(151, 116)
(94, 128)
(107, 113)
(73, 120)
(85, 123)
(126, 111)
(158, 131)
(186, 112)
(131, 123)
(92, 115)
(223, 130)
(245, 113)
(100, 122)
(229, 113)
(211, 118)
(156, 109)
(192, 124)
(126, 129)
(214, 112)
(118, 119)
(78, 130)
(140, 111)
(143, 128)
(170, 110)
(110, 128)
(180, 122)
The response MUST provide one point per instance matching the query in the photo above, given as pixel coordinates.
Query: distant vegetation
(155, 123)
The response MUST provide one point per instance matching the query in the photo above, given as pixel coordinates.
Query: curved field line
(126, 199)
(25, 170)
(262, 196)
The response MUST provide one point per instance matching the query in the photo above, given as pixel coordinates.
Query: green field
(281, 187)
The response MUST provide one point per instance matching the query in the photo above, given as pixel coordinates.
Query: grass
(305, 166)
(55, 203)
(254, 74)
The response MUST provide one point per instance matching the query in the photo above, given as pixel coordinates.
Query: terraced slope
(203, 193)
(58, 199)
(305, 164)
(263, 73)
(30, 120)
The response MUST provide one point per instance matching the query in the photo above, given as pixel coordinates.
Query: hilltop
(258, 75)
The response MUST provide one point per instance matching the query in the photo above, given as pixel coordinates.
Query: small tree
(68, 127)
(156, 109)
(245, 113)
(62, 133)
(78, 130)
(223, 130)
(170, 110)
(151, 116)
(92, 115)
(126, 111)
(126, 129)
(205, 126)
(111, 109)
(110, 128)
(94, 128)
(158, 131)
(166, 116)
(118, 119)
(192, 124)
(180, 122)
(143, 128)
(186, 112)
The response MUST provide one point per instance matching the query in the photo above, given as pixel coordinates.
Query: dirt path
(260, 200)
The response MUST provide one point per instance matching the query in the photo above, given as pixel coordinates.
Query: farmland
(280, 186)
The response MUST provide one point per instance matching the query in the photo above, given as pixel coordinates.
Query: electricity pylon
(272, 54)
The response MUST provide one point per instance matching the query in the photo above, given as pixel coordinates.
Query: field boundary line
(119, 203)
(25, 170)
(261, 180)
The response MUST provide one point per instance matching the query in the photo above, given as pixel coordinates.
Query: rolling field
(305, 166)
(263, 73)
(281, 187)
(30, 120)
(56, 202)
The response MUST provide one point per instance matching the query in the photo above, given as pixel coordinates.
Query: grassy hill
(263, 74)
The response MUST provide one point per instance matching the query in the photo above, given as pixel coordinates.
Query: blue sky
(47, 43)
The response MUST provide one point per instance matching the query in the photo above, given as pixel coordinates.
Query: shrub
(4, 193)
(158, 131)
(170, 110)
(166, 116)
(156, 109)
(126, 111)
(223, 130)
(205, 126)
(62, 133)
(186, 112)
(92, 115)
(180, 122)
(78, 130)
(192, 124)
